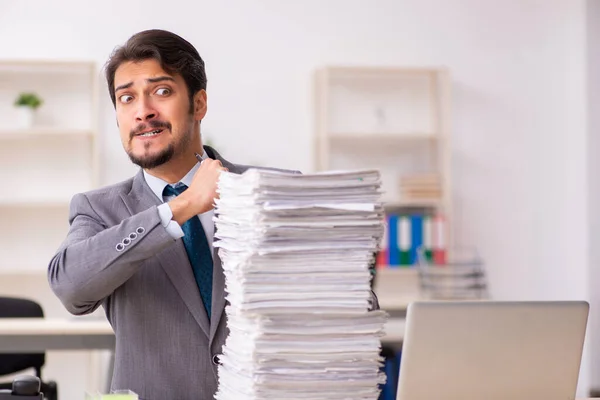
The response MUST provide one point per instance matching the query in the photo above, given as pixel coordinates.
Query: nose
(145, 111)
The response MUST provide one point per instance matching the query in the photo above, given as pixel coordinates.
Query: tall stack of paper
(296, 251)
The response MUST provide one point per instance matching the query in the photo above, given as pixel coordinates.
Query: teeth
(152, 133)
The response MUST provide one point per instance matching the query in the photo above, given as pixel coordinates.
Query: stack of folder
(296, 251)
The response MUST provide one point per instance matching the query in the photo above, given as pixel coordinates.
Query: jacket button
(215, 359)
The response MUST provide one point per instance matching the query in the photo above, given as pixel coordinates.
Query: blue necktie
(198, 250)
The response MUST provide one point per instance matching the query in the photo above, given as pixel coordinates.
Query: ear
(200, 105)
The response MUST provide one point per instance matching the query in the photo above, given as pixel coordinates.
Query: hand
(203, 189)
(201, 194)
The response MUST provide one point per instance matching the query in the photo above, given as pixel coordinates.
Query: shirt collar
(157, 185)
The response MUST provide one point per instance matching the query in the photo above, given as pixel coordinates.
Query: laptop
(492, 350)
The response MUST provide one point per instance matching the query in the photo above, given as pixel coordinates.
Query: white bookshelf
(44, 165)
(394, 119)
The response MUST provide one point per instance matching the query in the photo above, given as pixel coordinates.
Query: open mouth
(150, 133)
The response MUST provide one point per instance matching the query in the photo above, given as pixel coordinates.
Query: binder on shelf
(439, 240)
(393, 252)
(405, 241)
(428, 237)
(416, 224)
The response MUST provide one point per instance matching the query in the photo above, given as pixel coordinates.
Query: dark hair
(175, 55)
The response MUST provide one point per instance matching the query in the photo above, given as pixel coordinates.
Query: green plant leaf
(28, 99)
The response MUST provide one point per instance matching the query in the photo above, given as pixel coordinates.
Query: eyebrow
(149, 80)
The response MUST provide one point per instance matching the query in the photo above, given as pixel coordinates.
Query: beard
(155, 160)
(174, 148)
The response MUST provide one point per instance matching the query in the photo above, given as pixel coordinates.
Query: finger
(213, 163)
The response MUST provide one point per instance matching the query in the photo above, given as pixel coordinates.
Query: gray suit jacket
(165, 346)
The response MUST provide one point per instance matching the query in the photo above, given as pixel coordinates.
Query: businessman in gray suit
(143, 248)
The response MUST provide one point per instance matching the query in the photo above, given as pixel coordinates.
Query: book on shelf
(416, 187)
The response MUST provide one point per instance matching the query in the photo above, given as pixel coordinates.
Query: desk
(28, 335)
(41, 334)
(38, 335)
(35, 334)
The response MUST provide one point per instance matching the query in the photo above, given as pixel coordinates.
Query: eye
(126, 98)
(163, 91)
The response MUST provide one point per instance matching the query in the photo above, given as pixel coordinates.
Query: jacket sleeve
(94, 259)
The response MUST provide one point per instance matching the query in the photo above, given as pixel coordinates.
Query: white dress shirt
(164, 211)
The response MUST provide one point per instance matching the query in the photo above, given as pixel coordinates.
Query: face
(153, 111)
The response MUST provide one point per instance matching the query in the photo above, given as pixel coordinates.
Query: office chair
(15, 363)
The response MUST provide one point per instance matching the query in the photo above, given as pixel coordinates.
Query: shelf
(35, 133)
(397, 271)
(396, 287)
(46, 66)
(395, 304)
(384, 137)
(384, 73)
(394, 330)
(34, 203)
(412, 203)
(24, 272)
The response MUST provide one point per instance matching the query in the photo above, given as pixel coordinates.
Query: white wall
(519, 125)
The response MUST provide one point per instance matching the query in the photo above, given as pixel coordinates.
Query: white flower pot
(25, 117)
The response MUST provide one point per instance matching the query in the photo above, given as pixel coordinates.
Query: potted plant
(27, 104)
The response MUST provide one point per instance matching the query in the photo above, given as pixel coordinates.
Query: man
(142, 248)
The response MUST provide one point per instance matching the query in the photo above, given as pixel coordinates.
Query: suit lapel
(218, 295)
(174, 258)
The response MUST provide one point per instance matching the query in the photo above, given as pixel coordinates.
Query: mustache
(154, 124)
